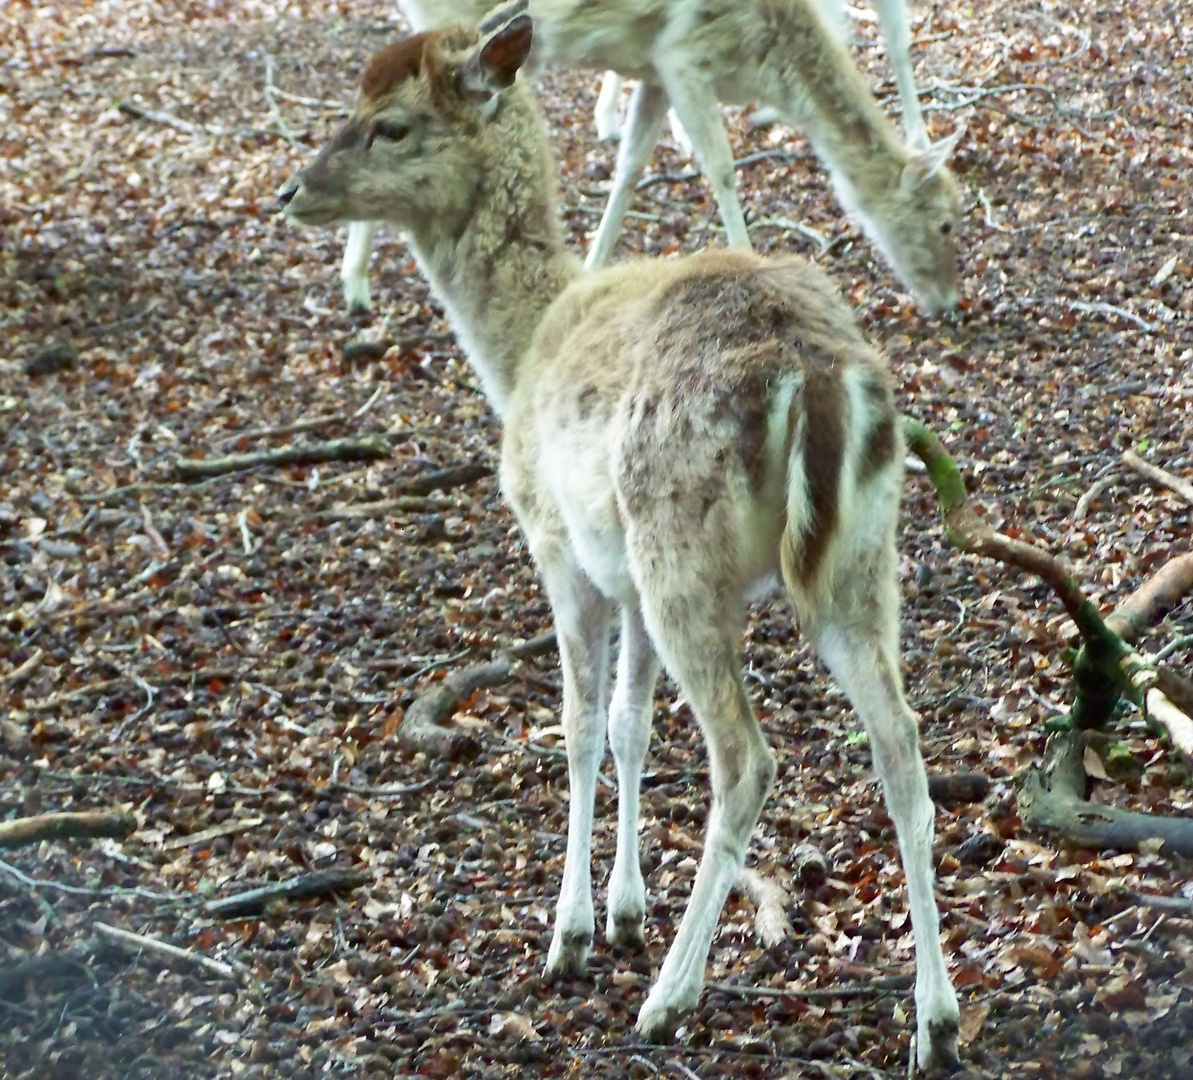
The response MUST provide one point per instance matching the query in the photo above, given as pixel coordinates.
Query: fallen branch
(770, 900)
(1052, 798)
(1162, 591)
(32, 830)
(163, 948)
(1159, 476)
(313, 423)
(178, 124)
(883, 985)
(381, 508)
(22, 671)
(1177, 725)
(367, 449)
(442, 479)
(255, 901)
(228, 828)
(1106, 668)
(425, 725)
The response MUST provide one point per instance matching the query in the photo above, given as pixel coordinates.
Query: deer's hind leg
(629, 736)
(582, 618)
(857, 636)
(697, 633)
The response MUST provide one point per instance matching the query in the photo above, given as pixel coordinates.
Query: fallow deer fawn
(784, 54)
(678, 434)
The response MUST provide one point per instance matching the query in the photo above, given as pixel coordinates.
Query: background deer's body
(785, 54)
(677, 433)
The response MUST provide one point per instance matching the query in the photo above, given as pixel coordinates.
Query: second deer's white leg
(694, 100)
(648, 106)
(629, 736)
(896, 35)
(354, 270)
(582, 628)
(607, 113)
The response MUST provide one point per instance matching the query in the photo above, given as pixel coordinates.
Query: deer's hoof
(568, 954)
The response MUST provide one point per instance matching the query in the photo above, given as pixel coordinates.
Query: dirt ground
(229, 653)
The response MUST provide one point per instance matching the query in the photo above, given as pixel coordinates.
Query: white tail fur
(786, 54)
(677, 432)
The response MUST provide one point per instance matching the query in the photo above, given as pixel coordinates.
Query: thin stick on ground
(164, 948)
(255, 901)
(370, 448)
(425, 725)
(32, 830)
(1183, 488)
(23, 670)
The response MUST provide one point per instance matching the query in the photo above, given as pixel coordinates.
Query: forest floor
(226, 653)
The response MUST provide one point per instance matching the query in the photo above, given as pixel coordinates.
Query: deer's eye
(946, 227)
(389, 130)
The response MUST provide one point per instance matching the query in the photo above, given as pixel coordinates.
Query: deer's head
(408, 153)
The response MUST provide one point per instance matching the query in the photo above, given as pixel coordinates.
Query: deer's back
(662, 398)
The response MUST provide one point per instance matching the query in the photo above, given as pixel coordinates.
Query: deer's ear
(927, 162)
(502, 50)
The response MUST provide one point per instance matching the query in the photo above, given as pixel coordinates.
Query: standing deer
(677, 434)
(786, 54)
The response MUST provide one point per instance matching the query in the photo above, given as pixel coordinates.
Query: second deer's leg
(896, 36)
(695, 103)
(582, 616)
(648, 106)
(698, 642)
(858, 640)
(629, 736)
(354, 270)
(608, 108)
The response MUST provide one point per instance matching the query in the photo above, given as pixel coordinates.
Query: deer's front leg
(694, 100)
(644, 121)
(582, 616)
(629, 736)
(354, 270)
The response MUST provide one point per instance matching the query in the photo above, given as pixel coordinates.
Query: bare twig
(228, 828)
(313, 423)
(1154, 473)
(882, 985)
(163, 948)
(255, 901)
(1087, 500)
(23, 670)
(1178, 726)
(31, 830)
(370, 448)
(382, 507)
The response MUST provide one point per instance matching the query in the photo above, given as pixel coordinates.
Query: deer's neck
(499, 267)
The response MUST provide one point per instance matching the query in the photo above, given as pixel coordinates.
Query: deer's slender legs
(648, 106)
(698, 641)
(858, 640)
(608, 107)
(629, 736)
(582, 617)
(896, 35)
(694, 101)
(354, 270)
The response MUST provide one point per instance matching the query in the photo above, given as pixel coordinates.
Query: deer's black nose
(287, 191)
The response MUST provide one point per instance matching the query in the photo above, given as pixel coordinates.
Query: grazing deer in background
(678, 433)
(784, 54)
